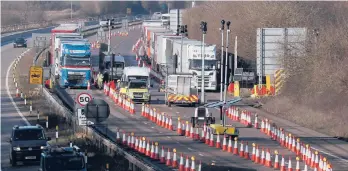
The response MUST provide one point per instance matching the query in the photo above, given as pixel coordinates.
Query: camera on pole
(204, 27)
(228, 25)
(222, 24)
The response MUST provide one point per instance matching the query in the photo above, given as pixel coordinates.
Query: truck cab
(62, 158)
(117, 66)
(202, 116)
(135, 83)
(137, 90)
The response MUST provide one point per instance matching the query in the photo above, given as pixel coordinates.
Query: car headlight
(43, 147)
(146, 94)
(16, 149)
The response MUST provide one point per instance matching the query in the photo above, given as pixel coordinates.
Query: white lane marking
(330, 154)
(200, 154)
(190, 149)
(9, 95)
(168, 137)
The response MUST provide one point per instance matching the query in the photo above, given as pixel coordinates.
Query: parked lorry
(62, 158)
(75, 65)
(181, 89)
(117, 66)
(135, 83)
(190, 61)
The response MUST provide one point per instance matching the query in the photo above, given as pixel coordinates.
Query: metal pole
(70, 10)
(202, 75)
(222, 57)
(226, 58)
(182, 42)
(235, 54)
(109, 38)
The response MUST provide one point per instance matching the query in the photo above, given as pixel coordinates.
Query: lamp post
(204, 31)
(226, 58)
(222, 56)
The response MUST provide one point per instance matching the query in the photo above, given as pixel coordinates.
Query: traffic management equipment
(175, 161)
(181, 164)
(246, 152)
(276, 160)
(289, 165)
(168, 159)
(241, 151)
(193, 165)
(162, 159)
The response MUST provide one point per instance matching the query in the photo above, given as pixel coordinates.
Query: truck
(190, 61)
(62, 158)
(135, 83)
(75, 65)
(118, 66)
(181, 89)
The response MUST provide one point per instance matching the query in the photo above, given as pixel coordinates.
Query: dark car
(20, 42)
(27, 143)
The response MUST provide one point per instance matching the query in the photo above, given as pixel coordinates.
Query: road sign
(35, 75)
(129, 10)
(83, 98)
(82, 117)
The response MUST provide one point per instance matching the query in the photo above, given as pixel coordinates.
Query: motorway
(9, 110)
(142, 127)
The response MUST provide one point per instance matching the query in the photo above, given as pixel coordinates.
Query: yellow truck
(135, 83)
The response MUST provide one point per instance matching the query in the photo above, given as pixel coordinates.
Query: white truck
(190, 61)
(181, 89)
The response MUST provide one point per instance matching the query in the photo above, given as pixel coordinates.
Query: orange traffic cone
(88, 86)
(143, 149)
(276, 160)
(235, 147)
(191, 132)
(148, 153)
(136, 145)
(211, 142)
(132, 141)
(193, 165)
(168, 159)
(156, 151)
(187, 129)
(316, 161)
(200, 166)
(124, 140)
(129, 141)
(313, 161)
(268, 162)
(162, 159)
(118, 138)
(170, 127)
(181, 164)
(179, 130)
(203, 135)
(241, 151)
(282, 165)
(175, 161)
(229, 147)
(289, 165)
(246, 152)
(152, 152)
(298, 164)
(140, 145)
(262, 157)
(257, 155)
(187, 164)
(207, 139)
(196, 137)
(253, 153)
(218, 144)
(224, 145)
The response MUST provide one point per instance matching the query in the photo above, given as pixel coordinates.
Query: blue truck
(62, 158)
(75, 64)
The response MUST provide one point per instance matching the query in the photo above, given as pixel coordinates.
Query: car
(20, 42)
(27, 143)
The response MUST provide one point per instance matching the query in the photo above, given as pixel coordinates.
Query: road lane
(9, 113)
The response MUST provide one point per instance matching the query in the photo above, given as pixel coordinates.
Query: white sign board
(83, 98)
(82, 117)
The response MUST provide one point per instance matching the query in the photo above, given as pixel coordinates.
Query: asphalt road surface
(9, 111)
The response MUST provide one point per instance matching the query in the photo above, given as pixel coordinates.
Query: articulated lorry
(75, 65)
(115, 69)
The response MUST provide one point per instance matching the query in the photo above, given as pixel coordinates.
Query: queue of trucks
(169, 53)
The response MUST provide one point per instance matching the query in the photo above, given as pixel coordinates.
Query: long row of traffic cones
(306, 154)
(160, 119)
(152, 150)
(121, 100)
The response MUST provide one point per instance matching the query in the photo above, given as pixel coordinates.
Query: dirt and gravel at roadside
(97, 160)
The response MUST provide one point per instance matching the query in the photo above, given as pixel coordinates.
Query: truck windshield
(28, 134)
(116, 65)
(76, 61)
(196, 64)
(138, 85)
(64, 163)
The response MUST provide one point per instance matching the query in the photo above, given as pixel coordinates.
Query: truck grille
(137, 95)
(206, 81)
(76, 79)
